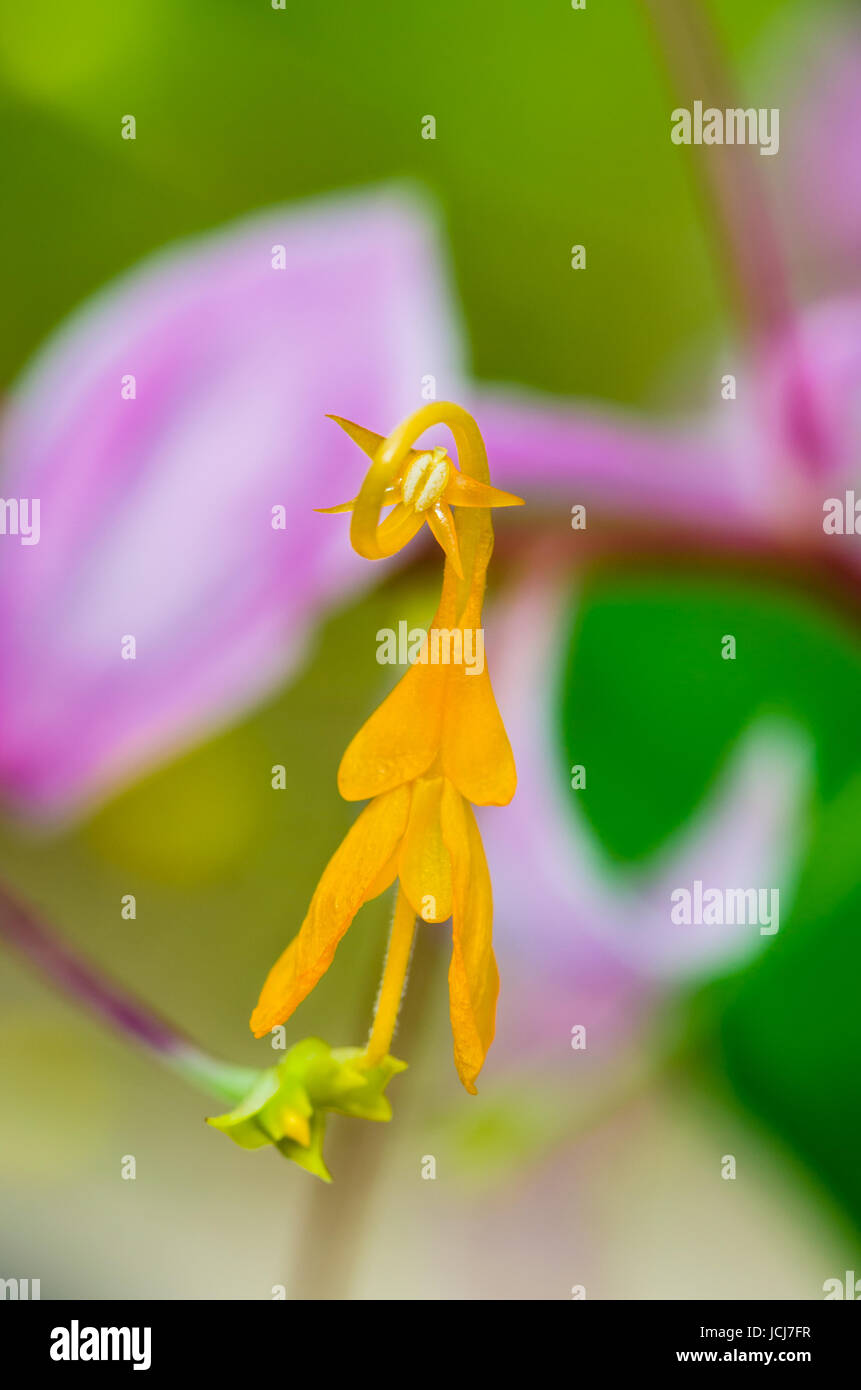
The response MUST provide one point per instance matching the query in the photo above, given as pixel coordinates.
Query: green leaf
(789, 1043)
(651, 709)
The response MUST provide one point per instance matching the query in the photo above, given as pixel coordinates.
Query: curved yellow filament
(376, 541)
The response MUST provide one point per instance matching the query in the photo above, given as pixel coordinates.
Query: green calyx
(287, 1104)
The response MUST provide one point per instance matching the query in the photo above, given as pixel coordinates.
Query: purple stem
(749, 244)
(729, 177)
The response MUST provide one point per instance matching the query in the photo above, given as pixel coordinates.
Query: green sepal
(288, 1103)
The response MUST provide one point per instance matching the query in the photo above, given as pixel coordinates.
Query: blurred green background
(551, 130)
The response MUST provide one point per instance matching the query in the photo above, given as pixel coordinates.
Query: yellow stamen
(426, 479)
(394, 979)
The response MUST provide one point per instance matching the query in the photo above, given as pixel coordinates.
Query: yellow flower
(425, 488)
(435, 744)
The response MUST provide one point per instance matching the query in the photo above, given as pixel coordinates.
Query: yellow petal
(400, 740)
(424, 865)
(475, 752)
(385, 878)
(344, 886)
(368, 441)
(473, 979)
(402, 737)
(391, 494)
(463, 491)
(338, 508)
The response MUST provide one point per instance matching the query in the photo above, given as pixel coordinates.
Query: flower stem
(393, 981)
(117, 1007)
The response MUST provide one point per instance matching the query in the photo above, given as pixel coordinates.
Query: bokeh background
(601, 1167)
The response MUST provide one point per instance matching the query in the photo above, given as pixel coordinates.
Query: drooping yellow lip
(434, 747)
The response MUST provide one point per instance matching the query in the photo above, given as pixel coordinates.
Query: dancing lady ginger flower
(435, 745)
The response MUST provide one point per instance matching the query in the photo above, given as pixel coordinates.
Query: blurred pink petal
(156, 512)
(618, 461)
(752, 468)
(809, 400)
(821, 191)
(603, 936)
